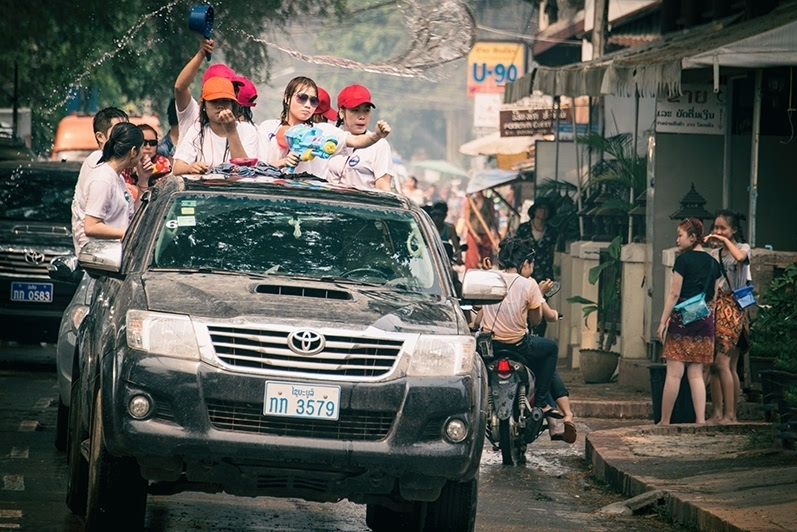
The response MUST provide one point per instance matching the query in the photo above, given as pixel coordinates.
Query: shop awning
(443, 167)
(495, 144)
(490, 178)
(655, 68)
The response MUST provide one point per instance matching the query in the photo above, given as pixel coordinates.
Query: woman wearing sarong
(730, 320)
(688, 346)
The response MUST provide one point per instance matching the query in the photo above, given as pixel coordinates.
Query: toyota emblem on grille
(34, 257)
(306, 342)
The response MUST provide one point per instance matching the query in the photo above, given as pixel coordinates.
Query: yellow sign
(491, 65)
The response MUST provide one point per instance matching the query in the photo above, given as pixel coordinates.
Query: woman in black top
(688, 345)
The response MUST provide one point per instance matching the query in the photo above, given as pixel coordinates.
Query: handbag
(694, 308)
(744, 296)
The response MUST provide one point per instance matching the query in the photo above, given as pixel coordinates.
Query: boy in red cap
(324, 112)
(247, 94)
(217, 136)
(370, 167)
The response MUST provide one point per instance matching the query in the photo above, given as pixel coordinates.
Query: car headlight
(162, 334)
(442, 356)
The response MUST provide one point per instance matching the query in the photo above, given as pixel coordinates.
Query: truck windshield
(296, 238)
(28, 194)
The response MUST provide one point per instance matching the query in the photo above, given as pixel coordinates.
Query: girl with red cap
(370, 167)
(218, 136)
(299, 103)
(247, 94)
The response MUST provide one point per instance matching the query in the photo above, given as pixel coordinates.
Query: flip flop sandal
(570, 434)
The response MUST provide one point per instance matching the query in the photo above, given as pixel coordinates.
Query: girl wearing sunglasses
(152, 165)
(299, 104)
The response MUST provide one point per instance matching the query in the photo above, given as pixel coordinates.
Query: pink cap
(219, 70)
(247, 93)
(325, 107)
(354, 95)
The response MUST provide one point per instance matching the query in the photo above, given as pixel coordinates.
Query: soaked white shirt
(213, 149)
(362, 167)
(102, 194)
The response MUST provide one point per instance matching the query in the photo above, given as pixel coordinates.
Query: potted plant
(775, 328)
(598, 365)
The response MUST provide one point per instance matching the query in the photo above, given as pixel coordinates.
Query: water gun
(310, 142)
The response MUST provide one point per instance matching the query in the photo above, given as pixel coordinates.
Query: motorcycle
(514, 418)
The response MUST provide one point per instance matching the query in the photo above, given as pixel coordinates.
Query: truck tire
(61, 426)
(455, 509)
(78, 480)
(383, 519)
(117, 491)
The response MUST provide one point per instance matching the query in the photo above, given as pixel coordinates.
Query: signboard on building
(486, 106)
(528, 122)
(698, 110)
(491, 65)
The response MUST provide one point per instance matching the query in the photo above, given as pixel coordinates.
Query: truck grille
(31, 264)
(352, 425)
(345, 356)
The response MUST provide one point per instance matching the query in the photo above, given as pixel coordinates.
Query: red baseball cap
(325, 107)
(354, 95)
(220, 70)
(247, 93)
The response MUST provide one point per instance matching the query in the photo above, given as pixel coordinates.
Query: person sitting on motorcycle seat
(508, 321)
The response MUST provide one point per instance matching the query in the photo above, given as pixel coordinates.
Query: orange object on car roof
(74, 139)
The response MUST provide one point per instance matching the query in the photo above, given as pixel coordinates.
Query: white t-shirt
(270, 151)
(510, 325)
(102, 194)
(214, 149)
(187, 117)
(738, 273)
(361, 167)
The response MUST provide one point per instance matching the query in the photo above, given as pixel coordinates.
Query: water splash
(439, 35)
(119, 45)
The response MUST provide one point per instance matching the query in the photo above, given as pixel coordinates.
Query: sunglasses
(302, 98)
(150, 142)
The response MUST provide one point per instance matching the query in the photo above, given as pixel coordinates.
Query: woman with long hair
(688, 345)
(102, 205)
(730, 320)
(218, 136)
(299, 104)
(370, 167)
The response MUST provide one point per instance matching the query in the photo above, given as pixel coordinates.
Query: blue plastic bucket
(744, 296)
(200, 20)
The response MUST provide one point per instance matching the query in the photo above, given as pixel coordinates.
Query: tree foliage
(130, 51)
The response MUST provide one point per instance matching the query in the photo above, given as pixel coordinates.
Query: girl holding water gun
(299, 103)
(370, 167)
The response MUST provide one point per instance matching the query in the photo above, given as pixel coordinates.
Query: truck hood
(36, 234)
(311, 303)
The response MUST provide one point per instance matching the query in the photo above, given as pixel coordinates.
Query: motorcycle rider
(509, 320)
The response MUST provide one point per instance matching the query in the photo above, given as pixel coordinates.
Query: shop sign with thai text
(698, 110)
(529, 122)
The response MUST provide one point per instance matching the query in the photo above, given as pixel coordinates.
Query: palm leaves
(618, 173)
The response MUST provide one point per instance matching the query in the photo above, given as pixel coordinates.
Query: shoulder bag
(744, 295)
(694, 308)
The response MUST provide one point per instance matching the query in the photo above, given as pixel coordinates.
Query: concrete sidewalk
(715, 478)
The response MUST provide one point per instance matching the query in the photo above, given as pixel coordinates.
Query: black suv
(280, 338)
(35, 227)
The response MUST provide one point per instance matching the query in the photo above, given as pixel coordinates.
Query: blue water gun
(310, 142)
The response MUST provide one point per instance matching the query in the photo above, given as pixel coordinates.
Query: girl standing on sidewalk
(688, 345)
(730, 321)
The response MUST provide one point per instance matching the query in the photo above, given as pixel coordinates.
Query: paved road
(551, 492)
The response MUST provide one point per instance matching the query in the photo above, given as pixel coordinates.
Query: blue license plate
(32, 292)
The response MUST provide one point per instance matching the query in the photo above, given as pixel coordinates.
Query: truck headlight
(442, 356)
(162, 334)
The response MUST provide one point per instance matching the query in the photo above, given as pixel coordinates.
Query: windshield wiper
(208, 269)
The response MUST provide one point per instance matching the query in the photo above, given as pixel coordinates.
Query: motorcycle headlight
(162, 334)
(442, 356)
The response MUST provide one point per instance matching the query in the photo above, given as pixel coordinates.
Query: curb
(605, 450)
(644, 410)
